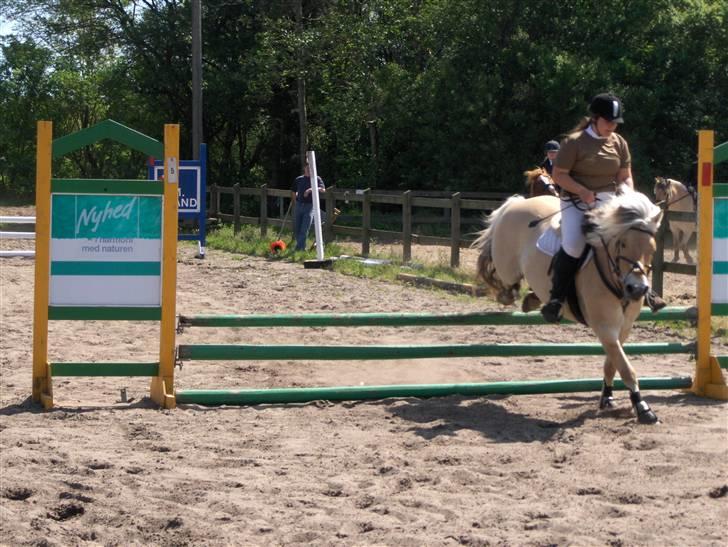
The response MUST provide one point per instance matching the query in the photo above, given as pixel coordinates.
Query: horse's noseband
(635, 266)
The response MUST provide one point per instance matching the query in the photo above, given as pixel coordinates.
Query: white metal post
(311, 155)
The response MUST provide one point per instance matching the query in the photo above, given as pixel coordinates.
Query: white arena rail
(16, 235)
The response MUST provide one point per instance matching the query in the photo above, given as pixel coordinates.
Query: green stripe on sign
(720, 190)
(720, 218)
(107, 186)
(106, 268)
(719, 309)
(720, 267)
(107, 313)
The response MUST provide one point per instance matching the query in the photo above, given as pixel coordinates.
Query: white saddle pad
(549, 243)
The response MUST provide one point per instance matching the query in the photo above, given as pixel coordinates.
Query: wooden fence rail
(452, 205)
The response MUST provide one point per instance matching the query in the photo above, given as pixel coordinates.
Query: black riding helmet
(607, 106)
(551, 146)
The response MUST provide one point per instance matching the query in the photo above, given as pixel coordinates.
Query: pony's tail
(485, 269)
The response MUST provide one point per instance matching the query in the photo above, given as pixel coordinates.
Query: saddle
(549, 243)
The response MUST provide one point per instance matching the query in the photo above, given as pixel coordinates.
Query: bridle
(665, 186)
(635, 266)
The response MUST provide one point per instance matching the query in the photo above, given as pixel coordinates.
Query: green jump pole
(403, 319)
(104, 369)
(359, 393)
(220, 352)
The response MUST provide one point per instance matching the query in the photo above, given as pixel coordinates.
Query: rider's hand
(623, 189)
(587, 196)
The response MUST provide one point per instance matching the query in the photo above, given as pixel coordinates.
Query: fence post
(263, 210)
(658, 261)
(407, 226)
(330, 206)
(366, 218)
(236, 208)
(214, 203)
(455, 230)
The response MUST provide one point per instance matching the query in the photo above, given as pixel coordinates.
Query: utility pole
(301, 80)
(196, 79)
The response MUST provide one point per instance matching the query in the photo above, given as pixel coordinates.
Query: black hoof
(645, 414)
(551, 311)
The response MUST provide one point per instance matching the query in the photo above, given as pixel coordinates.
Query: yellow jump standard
(105, 250)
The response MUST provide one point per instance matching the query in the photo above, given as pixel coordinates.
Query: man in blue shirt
(304, 206)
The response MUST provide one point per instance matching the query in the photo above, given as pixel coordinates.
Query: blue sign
(191, 202)
(188, 190)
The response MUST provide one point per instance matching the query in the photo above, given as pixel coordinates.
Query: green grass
(249, 242)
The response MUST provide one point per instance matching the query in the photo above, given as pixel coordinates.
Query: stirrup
(551, 311)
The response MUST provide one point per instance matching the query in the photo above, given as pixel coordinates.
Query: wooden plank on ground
(462, 288)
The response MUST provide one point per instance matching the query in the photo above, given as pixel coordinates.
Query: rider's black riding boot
(562, 276)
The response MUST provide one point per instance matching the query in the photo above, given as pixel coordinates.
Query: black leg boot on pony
(563, 270)
(642, 409)
(606, 401)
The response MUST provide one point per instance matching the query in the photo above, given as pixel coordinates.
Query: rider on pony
(592, 166)
(551, 149)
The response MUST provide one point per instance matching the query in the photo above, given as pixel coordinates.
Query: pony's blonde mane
(629, 210)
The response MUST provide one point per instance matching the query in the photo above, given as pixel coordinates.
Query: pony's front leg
(617, 359)
(606, 400)
(686, 249)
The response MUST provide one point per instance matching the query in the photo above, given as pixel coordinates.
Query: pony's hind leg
(685, 247)
(530, 302)
(676, 236)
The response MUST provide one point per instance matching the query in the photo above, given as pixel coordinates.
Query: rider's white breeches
(572, 217)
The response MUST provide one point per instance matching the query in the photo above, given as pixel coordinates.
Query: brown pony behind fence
(539, 183)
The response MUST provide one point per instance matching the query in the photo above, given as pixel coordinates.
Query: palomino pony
(678, 198)
(610, 287)
(539, 183)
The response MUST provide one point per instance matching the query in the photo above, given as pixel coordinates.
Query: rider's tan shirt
(593, 162)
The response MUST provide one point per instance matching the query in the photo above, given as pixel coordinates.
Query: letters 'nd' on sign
(106, 250)
(188, 190)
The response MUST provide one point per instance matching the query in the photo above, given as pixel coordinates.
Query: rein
(614, 266)
(665, 203)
